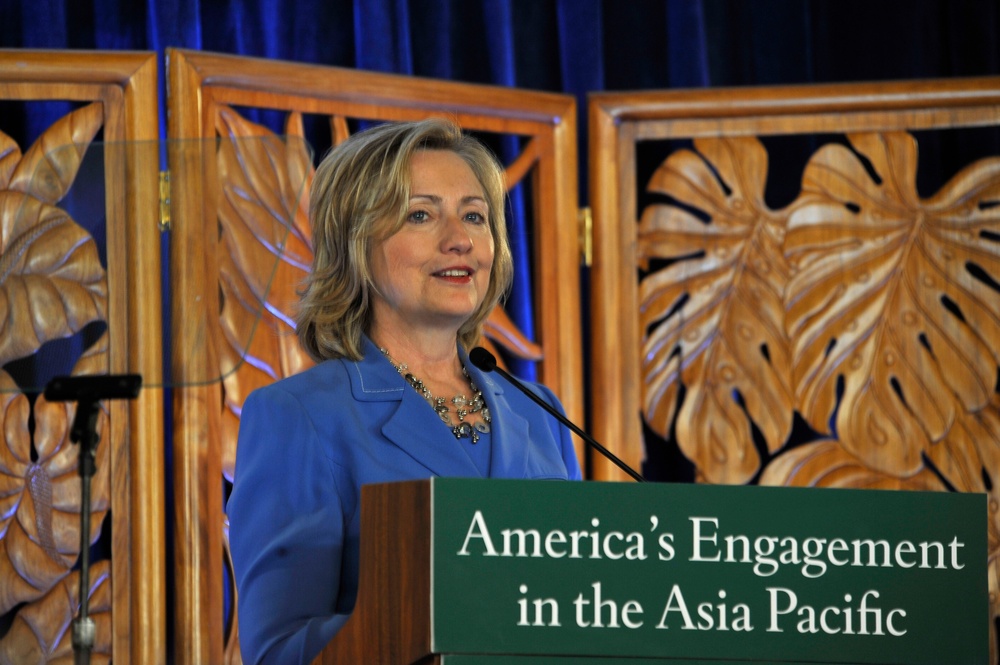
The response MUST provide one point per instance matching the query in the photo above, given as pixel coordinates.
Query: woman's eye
(475, 218)
(417, 216)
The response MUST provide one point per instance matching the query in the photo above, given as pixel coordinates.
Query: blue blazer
(306, 446)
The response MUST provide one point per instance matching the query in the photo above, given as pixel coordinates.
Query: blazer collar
(416, 429)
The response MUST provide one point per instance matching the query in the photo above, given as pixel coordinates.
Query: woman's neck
(434, 358)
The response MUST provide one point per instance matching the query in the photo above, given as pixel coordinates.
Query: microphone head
(93, 387)
(483, 359)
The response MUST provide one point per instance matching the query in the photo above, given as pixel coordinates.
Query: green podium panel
(526, 572)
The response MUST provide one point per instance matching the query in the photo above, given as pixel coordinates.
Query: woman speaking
(410, 257)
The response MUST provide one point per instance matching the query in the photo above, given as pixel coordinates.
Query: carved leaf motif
(714, 316)
(49, 167)
(39, 524)
(52, 283)
(42, 632)
(265, 184)
(892, 298)
(264, 257)
(825, 463)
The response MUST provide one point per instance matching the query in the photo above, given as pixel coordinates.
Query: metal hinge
(164, 201)
(585, 217)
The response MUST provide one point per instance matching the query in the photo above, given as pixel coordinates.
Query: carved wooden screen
(787, 294)
(53, 286)
(235, 209)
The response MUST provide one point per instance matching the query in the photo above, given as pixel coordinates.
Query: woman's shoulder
(301, 403)
(325, 377)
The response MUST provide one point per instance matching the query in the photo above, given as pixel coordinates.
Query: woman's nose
(456, 236)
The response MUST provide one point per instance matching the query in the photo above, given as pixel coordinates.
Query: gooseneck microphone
(486, 362)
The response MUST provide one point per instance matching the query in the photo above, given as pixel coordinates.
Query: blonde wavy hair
(359, 197)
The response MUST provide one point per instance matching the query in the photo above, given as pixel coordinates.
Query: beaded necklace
(463, 406)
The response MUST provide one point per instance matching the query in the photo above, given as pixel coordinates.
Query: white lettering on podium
(863, 619)
(477, 529)
(556, 544)
(711, 616)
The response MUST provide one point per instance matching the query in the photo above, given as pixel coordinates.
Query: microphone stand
(487, 362)
(87, 392)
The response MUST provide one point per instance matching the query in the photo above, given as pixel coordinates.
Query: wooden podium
(487, 572)
(391, 622)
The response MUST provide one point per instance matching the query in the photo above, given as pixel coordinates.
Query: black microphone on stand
(88, 391)
(486, 362)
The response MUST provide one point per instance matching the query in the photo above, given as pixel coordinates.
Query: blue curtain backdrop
(569, 46)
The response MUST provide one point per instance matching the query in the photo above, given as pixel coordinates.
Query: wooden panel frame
(617, 122)
(199, 83)
(125, 83)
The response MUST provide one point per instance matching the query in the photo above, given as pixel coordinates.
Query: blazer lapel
(410, 424)
(509, 430)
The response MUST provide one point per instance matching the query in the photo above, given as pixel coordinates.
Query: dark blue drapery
(572, 46)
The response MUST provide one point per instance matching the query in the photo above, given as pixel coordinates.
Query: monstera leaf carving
(51, 281)
(40, 493)
(894, 301)
(713, 317)
(49, 167)
(894, 313)
(51, 286)
(264, 256)
(825, 463)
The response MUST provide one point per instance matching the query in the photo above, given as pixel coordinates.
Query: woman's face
(434, 272)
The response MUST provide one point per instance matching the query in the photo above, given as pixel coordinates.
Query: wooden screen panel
(208, 95)
(862, 305)
(53, 286)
